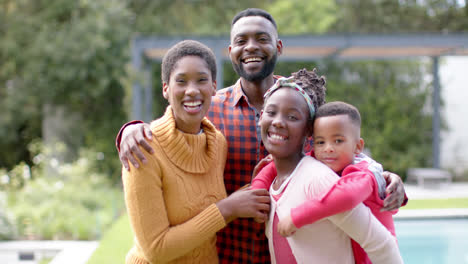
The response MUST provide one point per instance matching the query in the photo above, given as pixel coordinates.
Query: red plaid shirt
(243, 240)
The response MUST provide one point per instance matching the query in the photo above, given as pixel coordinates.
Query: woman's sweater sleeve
(265, 177)
(159, 241)
(350, 190)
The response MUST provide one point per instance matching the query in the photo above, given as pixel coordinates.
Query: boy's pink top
(357, 184)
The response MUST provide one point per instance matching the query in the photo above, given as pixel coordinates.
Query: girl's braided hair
(313, 85)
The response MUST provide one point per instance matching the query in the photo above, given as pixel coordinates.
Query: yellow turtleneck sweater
(171, 199)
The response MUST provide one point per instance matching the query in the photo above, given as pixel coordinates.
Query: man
(235, 111)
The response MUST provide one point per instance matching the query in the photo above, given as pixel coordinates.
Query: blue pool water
(438, 241)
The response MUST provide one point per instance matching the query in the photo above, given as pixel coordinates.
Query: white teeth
(253, 59)
(192, 104)
(278, 137)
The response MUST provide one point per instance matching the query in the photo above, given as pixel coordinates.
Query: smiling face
(254, 47)
(189, 92)
(336, 141)
(284, 124)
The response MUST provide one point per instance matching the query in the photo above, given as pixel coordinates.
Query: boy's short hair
(340, 108)
(253, 12)
(183, 49)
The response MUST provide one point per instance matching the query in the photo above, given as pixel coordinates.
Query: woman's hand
(246, 203)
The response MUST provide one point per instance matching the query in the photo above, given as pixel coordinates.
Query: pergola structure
(146, 50)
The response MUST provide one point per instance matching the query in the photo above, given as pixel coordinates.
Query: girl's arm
(354, 187)
(265, 177)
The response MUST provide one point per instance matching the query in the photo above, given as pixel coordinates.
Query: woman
(175, 200)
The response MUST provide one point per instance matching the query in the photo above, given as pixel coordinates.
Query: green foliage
(77, 203)
(75, 54)
(190, 17)
(389, 16)
(115, 243)
(7, 228)
(315, 16)
(69, 53)
(391, 97)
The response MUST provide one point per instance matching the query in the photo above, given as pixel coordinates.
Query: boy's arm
(351, 189)
(395, 195)
(376, 169)
(131, 136)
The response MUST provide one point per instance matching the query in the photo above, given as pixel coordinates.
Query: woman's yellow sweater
(171, 199)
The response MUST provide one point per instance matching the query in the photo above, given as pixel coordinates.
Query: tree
(74, 54)
(388, 16)
(303, 17)
(69, 54)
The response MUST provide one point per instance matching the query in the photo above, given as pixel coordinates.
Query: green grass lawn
(118, 239)
(114, 244)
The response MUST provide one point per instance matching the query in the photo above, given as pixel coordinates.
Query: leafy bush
(392, 99)
(7, 229)
(74, 203)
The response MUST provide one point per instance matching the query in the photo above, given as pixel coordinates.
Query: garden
(66, 88)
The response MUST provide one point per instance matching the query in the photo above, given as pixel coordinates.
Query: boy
(337, 142)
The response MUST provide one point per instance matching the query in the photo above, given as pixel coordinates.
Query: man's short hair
(253, 12)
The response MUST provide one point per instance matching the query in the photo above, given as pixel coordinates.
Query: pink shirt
(283, 252)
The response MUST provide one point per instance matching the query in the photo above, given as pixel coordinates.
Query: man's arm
(130, 137)
(391, 187)
(395, 191)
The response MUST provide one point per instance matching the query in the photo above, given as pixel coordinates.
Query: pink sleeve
(119, 135)
(265, 177)
(351, 189)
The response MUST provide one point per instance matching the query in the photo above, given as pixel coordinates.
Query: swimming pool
(427, 241)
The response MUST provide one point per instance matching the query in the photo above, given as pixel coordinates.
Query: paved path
(450, 190)
(62, 252)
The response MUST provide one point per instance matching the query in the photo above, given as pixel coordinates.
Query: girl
(286, 122)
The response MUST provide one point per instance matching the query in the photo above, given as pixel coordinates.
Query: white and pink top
(327, 240)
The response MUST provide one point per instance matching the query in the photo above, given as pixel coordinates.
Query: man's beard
(266, 70)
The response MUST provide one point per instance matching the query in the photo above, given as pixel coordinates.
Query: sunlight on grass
(436, 203)
(115, 243)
